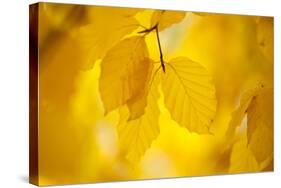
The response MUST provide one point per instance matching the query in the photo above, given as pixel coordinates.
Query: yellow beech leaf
(257, 105)
(240, 112)
(189, 94)
(123, 72)
(137, 104)
(242, 159)
(108, 26)
(165, 18)
(136, 136)
(260, 124)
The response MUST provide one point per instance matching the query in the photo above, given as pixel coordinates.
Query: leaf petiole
(160, 50)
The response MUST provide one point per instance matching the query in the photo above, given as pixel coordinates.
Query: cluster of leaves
(130, 79)
(132, 82)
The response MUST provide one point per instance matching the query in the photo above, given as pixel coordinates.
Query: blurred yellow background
(78, 144)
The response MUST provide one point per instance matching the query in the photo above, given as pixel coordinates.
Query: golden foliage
(186, 96)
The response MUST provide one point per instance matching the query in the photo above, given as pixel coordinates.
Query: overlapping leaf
(189, 94)
(257, 105)
(239, 114)
(123, 72)
(137, 135)
(137, 104)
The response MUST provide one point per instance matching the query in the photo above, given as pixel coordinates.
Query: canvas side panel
(33, 94)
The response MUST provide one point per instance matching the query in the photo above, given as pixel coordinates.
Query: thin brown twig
(160, 50)
(147, 31)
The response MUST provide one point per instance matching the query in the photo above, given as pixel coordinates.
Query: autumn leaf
(189, 94)
(257, 105)
(123, 72)
(136, 136)
(165, 19)
(108, 26)
(239, 114)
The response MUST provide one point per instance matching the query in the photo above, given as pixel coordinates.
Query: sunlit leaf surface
(189, 94)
